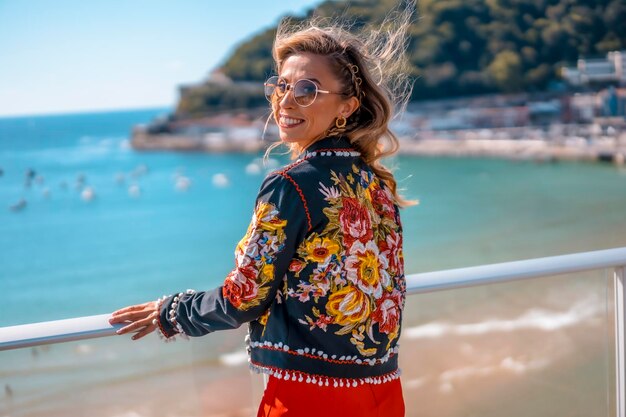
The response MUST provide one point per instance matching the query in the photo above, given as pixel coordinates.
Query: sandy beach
(523, 149)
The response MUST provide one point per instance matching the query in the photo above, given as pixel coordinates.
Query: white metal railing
(89, 327)
(620, 330)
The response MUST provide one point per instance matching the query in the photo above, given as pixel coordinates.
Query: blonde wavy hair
(371, 65)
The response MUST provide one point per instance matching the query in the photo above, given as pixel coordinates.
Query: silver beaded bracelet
(156, 322)
(171, 316)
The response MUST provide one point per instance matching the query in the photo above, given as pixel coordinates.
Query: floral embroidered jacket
(319, 275)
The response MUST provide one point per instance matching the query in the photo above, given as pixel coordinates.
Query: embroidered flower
(391, 249)
(318, 285)
(320, 249)
(321, 320)
(268, 270)
(240, 286)
(387, 312)
(355, 222)
(303, 294)
(261, 214)
(381, 200)
(366, 268)
(349, 306)
(296, 266)
(267, 217)
(264, 317)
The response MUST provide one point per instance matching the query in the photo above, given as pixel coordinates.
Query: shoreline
(498, 143)
(517, 149)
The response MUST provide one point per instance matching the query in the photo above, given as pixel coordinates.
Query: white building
(603, 70)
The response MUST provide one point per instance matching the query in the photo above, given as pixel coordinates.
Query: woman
(319, 275)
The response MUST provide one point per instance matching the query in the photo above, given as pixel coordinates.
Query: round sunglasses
(304, 91)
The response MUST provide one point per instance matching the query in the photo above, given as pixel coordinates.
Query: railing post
(619, 280)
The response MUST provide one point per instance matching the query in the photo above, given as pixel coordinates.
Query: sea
(89, 225)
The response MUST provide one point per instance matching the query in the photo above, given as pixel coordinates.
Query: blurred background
(131, 152)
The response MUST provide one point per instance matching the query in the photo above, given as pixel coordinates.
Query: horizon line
(71, 112)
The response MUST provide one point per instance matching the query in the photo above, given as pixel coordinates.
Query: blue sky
(69, 55)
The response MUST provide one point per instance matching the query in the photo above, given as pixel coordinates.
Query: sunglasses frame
(292, 87)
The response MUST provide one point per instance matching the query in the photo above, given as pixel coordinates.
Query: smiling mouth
(286, 122)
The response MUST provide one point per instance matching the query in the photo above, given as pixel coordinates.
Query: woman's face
(304, 125)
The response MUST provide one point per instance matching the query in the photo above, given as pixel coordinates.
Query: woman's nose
(287, 98)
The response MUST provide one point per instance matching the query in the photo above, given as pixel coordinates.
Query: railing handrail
(56, 331)
(89, 327)
(515, 270)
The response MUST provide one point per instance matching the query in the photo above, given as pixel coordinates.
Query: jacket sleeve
(262, 257)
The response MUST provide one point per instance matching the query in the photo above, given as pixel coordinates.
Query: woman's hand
(139, 317)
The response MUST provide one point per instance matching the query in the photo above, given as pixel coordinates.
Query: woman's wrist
(167, 320)
(166, 330)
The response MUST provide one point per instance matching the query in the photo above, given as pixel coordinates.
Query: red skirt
(292, 398)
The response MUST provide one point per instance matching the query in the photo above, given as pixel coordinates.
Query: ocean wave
(234, 359)
(532, 319)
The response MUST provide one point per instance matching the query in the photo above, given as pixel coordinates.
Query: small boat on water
(182, 183)
(253, 168)
(30, 174)
(134, 190)
(140, 170)
(220, 180)
(80, 181)
(88, 194)
(20, 205)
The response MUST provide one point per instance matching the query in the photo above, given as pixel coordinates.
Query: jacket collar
(329, 142)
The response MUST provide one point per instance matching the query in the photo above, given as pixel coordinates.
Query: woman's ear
(349, 106)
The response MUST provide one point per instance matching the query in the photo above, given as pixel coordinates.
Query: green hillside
(461, 47)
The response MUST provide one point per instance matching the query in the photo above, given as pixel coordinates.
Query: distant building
(498, 117)
(613, 102)
(583, 108)
(610, 102)
(611, 69)
(545, 112)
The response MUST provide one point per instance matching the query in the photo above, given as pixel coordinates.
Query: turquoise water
(63, 257)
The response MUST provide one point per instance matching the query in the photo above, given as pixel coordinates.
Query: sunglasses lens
(274, 88)
(305, 92)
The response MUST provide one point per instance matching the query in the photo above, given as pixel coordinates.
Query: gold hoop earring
(340, 122)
